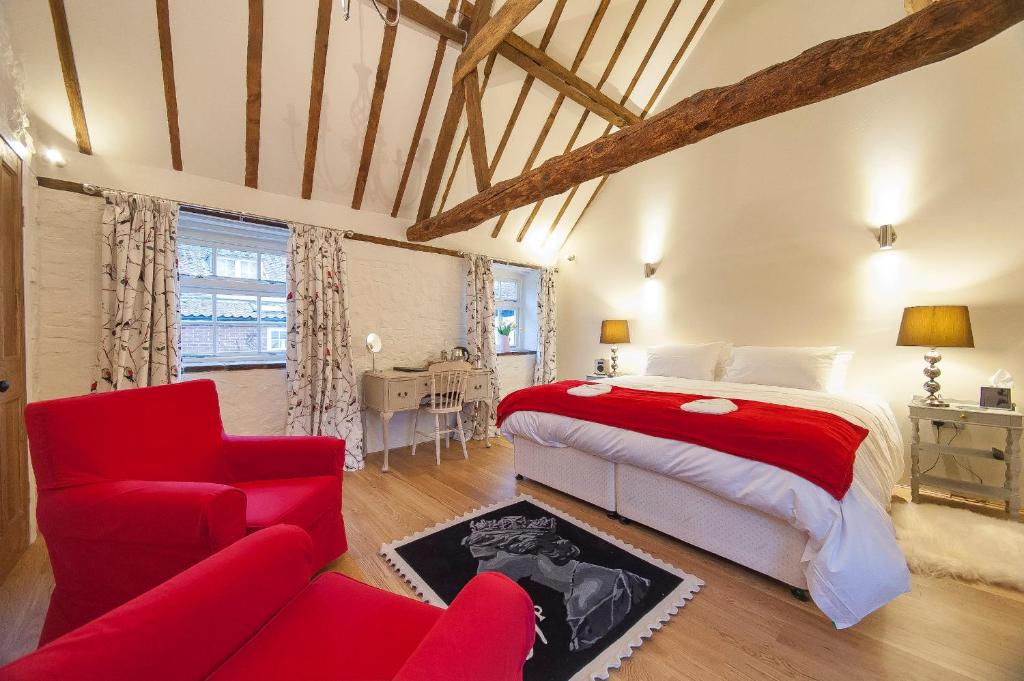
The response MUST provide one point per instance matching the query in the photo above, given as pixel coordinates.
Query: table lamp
(935, 326)
(614, 331)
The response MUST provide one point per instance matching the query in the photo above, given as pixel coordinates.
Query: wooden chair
(448, 382)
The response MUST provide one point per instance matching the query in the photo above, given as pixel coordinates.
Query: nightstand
(968, 415)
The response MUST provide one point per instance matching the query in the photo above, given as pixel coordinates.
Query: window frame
(516, 307)
(221, 233)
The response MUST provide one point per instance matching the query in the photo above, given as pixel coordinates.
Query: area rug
(600, 597)
(951, 542)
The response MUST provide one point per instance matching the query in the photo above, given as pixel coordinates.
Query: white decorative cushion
(806, 368)
(699, 362)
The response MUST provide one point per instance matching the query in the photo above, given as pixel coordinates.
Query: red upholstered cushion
(293, 501)
(169, 432)
(336, 629)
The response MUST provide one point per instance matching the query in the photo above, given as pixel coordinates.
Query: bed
(763, 517)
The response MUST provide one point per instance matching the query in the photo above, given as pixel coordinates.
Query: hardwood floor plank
(740, 625)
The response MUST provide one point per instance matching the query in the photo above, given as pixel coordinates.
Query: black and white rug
(596, 597)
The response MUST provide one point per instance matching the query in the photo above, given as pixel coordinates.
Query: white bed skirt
(688, 513)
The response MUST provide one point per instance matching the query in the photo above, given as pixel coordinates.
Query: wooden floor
(741, 625)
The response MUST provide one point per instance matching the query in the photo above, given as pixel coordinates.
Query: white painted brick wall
(415, 301)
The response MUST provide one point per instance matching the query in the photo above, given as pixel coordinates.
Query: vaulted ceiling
(289, 97)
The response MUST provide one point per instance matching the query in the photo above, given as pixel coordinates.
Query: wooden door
(13, 449)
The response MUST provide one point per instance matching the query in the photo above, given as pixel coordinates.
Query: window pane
(274, 267)
(506, 289)
(502, 318)
(236, 308)
(196, 339)
(237, 338)
(275, 338)
(273, 309)
(239, 264)
(195, 260)
(196, 307)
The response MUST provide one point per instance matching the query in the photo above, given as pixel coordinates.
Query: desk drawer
(405, 394)
(478, 387)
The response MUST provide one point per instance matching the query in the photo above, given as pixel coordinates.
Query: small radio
(600, 366)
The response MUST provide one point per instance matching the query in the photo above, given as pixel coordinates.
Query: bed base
(738, 533)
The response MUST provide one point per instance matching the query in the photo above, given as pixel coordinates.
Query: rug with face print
(595, 597)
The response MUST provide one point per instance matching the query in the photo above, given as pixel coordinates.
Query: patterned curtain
(140, 338)
(480, 334)
(544, 371)
(323, 398)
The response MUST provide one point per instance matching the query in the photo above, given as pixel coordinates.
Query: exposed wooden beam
(602, 105)
(163, 29)
(475, 130)
(652, 100)
(254, 93)
(524, 90)
(418, 14)
(833, 68)
(449, 126)
(428, 96)
(612, 61)
(491, 34)
(465, 139)
(70, 72)
(387, 48)
(588, 38)
(316, 94)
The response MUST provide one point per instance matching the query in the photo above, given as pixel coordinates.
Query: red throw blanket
(815, 445)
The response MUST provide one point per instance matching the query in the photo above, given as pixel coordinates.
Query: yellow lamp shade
(936, 326)
(614, 331)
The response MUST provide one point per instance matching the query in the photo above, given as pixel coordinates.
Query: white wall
(764, 231)
(414, 300)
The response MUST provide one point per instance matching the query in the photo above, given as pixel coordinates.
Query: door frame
(13, 552)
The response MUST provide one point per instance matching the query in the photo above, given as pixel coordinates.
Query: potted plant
(505, 330)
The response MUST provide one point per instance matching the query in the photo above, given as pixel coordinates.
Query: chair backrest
(168, 432)
(448, 381)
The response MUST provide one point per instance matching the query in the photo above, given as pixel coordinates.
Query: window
(233, 289)
(508, 311)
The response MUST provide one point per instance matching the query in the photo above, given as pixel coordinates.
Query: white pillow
(699, 362)
(806, 368)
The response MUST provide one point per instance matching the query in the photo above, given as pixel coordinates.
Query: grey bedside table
(968, 415)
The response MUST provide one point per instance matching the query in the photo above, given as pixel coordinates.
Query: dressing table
(388, 391)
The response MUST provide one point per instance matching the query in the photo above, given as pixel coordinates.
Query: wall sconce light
(55, 157)
(650, 269)
(886, 237)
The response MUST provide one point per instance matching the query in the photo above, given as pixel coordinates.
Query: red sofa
(137, 485)
(249, 612)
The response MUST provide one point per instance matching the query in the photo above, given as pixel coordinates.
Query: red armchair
(250, 612)
(137, 485)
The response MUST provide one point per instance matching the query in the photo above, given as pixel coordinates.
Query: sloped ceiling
(117, 54)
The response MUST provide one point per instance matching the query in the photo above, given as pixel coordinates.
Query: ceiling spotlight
(650, 269)
(55, 157)
(886, 237)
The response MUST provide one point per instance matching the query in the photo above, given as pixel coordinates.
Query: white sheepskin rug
(951, 542)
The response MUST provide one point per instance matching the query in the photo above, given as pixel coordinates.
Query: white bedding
(852, 563)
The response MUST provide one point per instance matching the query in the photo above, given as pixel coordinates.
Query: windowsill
(517, 352)
(231, 366)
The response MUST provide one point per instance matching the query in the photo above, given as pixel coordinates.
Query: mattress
(852, 563)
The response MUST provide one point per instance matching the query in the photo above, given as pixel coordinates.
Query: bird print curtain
(139, 345)
(480, 335)
(544, 370)
(323, 398)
